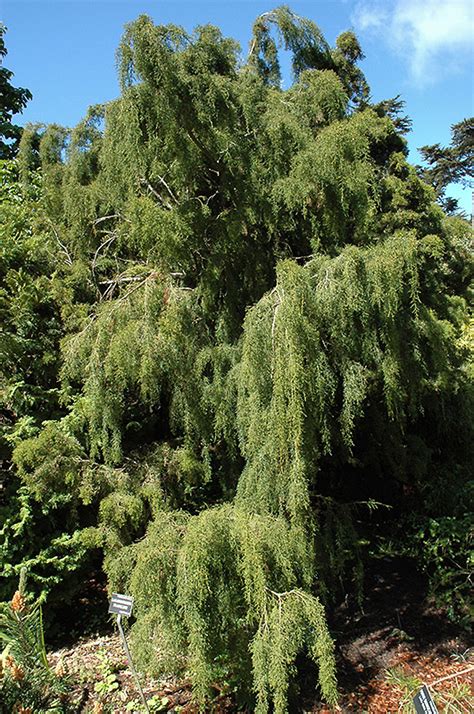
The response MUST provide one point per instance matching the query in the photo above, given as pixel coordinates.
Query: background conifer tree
(12, 101)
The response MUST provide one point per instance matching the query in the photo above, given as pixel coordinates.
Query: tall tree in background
(263, 317)
(451, 164)
(12, 101)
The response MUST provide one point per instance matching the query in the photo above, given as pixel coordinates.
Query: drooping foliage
(263, 318)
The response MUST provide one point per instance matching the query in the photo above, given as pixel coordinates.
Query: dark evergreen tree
(39, 534)
(451, 164)
(12, 101)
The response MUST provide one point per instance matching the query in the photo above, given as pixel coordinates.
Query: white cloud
(432, 35)
(366, 17)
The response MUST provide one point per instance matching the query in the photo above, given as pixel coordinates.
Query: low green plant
(156, 703)
(463, 656)
(407, 683)
(108, 683)
(401, 635)
(443, 546)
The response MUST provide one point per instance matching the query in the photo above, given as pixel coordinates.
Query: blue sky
(63, 51)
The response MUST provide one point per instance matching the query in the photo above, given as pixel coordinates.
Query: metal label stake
(122, 605)
(423, 702)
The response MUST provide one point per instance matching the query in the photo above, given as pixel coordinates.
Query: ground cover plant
(237, 355)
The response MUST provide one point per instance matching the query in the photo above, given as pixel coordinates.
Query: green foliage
(53, 559)
(206, 583)
(452, 164)
(326, 331)
(37, 535)
(29, 316)
(444, 547)
(154, 704)
(441, 540)
(309, 51)
(295, 620)
(26, 679)
(250, 318)
(108, 682)
(12, 101)
(118, 351)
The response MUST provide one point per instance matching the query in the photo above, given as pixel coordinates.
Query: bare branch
(157, 195)
(450, 676)
(105, 244)
(106, 218)
(64, 249)
(168, 188)
(119, 280)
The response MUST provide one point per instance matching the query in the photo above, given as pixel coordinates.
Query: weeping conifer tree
(263, 315)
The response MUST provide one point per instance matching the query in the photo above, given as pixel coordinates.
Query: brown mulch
(401, 637)
(83, 663)
(382, 695)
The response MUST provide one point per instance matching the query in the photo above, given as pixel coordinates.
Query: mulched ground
(399, 643)
(88, 662)
(385, 655)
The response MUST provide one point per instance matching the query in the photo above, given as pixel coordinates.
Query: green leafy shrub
(444, 547)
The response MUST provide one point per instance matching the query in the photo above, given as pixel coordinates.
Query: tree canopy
(12, 101)
(248, 321)
(452, 164)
